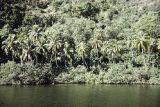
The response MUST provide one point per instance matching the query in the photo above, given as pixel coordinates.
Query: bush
(75, 75)
(28, 74)
(9, 73)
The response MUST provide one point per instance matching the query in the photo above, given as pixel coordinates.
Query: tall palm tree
(111, 49)
(41, 47)
(11, 46)
(28, 50)
(158, 44)
(104, 50)
(141, 43)
(114, 49)
(66, 53)
(81, 50)
(54, 47)
(96, 43)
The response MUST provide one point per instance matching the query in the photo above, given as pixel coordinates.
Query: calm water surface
(80, 96)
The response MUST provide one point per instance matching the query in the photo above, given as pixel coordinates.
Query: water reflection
(80, 96)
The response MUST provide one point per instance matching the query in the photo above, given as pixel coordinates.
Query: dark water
(80, 96)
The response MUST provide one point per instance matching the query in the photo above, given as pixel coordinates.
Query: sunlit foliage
(95, 34)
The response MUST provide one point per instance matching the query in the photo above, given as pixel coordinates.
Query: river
(80, 96)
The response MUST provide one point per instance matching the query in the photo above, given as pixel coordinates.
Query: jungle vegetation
(79, 41)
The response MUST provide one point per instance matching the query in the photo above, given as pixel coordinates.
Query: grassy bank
(66, 41)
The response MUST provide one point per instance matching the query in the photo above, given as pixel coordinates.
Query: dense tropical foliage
(78, 41)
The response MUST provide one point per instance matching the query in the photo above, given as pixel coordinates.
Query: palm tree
(54, 47)
(112, 49)
(141, 43)
(66, 53)
(96, 43)
(11, 46)
(158, 45)
(104, 50)
(145, 45)
(28, 50)
(81, 50)
(41, 47)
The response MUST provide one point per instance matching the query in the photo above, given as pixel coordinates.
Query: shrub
(28, 74)
(9, 73)
(74, 75)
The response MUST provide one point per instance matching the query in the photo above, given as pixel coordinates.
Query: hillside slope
(112, 41)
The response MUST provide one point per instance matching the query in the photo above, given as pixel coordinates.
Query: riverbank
(28, 74)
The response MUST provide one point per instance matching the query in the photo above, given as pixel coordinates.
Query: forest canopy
(80, 41)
